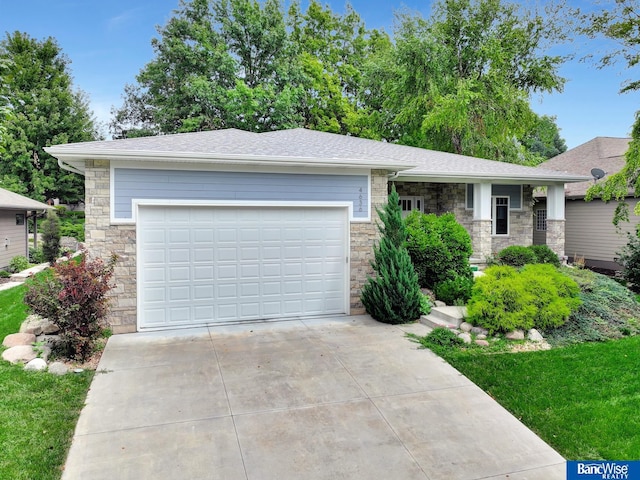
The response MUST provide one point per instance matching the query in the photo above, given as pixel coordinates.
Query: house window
(19, 218)
(541, 220)
(408, 204)
(500, 215)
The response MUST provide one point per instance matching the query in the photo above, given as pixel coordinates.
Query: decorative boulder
(535, 336)
(515, 335)
(20, 353)
(37, 364)
(58, 368)
(16, 339)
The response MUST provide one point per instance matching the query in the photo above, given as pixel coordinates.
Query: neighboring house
(14, 213)
(228, 226)
(589, 232)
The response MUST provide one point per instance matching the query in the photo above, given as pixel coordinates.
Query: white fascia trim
(437, 177)
(215, 167)
(136, 203)
(234, 159)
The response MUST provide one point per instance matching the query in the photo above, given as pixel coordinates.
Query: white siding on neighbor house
(589, 232)
(134, 183)
(14, 235)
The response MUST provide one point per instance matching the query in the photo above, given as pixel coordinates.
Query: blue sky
(108, 42)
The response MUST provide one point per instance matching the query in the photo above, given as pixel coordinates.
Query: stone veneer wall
(451, 197)
(520, 224)
(363, 237)
(102, 239)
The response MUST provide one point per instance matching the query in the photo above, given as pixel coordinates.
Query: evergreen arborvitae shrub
(439, 247)
(50, 230)
(393, 294)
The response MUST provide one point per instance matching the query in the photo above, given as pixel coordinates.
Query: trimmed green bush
(439, 247)
(545, 255)
(505, 299)
(36, 256)
(18, 264)
(393, 295)
(516, 256)
(454, 291)
(4, 274)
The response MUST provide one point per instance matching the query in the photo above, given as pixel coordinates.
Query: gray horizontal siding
(16, 234)
(589, 232)
(130, 183)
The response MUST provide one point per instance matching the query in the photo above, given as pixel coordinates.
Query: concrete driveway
(332, 398)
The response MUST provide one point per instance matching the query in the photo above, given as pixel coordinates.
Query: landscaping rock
(482, 343)
(439, 303)
(466, 327)
(515, 335)
(480, 331)
(16, 339)
(58, 368)
(69, 244)
(481, 336)
(535, 336)
(466, 338)
(37, 325)
(37, 364)
(20, 353)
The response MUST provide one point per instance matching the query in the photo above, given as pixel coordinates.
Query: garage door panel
(179, 274)
(200, 265)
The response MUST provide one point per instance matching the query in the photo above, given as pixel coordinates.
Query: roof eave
(76, 159)
(462, 177)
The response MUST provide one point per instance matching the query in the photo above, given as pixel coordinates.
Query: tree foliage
(458, 82)
(249, 65)
(461, 80)
(42, 109)
(620, 23)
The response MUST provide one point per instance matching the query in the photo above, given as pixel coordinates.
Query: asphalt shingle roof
(15, 201)
(606, 153)
(301, 147)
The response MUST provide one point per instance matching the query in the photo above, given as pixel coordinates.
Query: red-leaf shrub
(75, 298)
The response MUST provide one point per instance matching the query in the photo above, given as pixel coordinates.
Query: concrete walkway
(341, 398)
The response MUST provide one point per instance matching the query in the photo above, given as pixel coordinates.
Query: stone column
(481, 228)
(481, 241)
(555, 236)
(555, 218)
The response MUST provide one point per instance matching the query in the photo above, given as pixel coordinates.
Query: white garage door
(203, 265)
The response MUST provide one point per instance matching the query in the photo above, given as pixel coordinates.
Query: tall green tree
(218, 64)
(544, 138)
(249, 65)
(620, 22)
(44, 110)
(461, 80)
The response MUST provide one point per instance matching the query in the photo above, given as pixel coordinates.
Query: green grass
(38, 411)
(582, 399)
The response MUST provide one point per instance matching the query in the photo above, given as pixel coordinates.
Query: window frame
(494, 211)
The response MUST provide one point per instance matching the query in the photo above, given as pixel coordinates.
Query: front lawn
(38, 411)
(582, 399)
